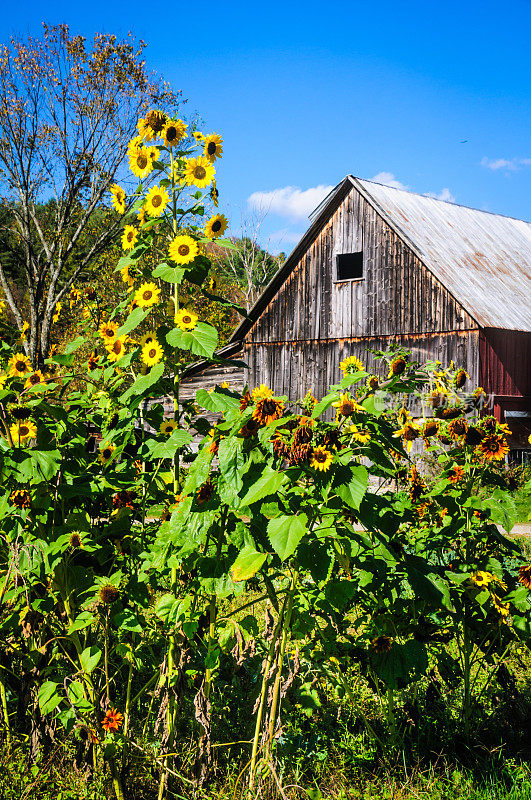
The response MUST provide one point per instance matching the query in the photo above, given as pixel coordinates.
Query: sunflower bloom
(198, 136)
(456, 474)
(22, 431)
(261, 392)
(152, 353)
(116, 350)
(34, 379)
(321, 459)
(140, 163)
(155, 122)
(147, 295)
(216, 226)
(501, 608)
(183, 249)
(351, 364)
(107, 332)
(126, 275)
(168, 426)
(186, 320)
(346, 405)
(156, 201)
(112, 720)
(141, 216)
(20, 498)
(360, 435)
(494, 448)
(173, 132)
(397, 366)
(213, 146)
(58, 307)
(482, 578)
(129, 237)
(460, 378)
(524, 575)
(198, 172)
(18, 365)
(118, 198)
(105, 453)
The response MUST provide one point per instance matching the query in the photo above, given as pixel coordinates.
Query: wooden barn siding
(293, 367)
(398, 295)
(505, 362)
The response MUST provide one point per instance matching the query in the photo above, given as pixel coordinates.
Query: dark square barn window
(349, 266)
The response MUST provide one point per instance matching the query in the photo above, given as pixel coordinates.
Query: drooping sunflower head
(147, 295)
(129, 237)
(20, 412)
(147, 337)
(124, 499)
(186, 320)
(431, 427)
(155, 120)
(118, 198)
(397, 366)
(140, 162)
(204, 493)
(250, 428)
(22, 431)
(351, 364)
(174, 131)
(198, 172)
(460, 378)
(76, 539)
(382, 644)
(156, 201)
(303, 433)
(300, 454)
(19, 365)
(457, 427)
(268, 410)
(152, 353)
(105, 452)
(502, 608)
(360, 435)
(183, 249)
(109, 593)
(168, 426)
(494, 448)
(321, 459)
(213, 146)
(20, 498)
(216, 226)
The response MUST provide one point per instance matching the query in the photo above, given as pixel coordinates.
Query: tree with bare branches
(67, 112)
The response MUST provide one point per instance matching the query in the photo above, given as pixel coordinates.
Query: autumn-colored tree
(67, 113)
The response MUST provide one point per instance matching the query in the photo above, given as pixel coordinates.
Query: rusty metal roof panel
(483, 259)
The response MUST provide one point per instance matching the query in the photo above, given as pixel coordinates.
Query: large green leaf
(231, 461)
(269, 482)
(48, 696)
(247, 563)
(352, 493)
(144, 382)
(167, 449)
(90, 658)
(218, 401)
(134, 319)
(168, 273)
(202, 340)
(285, 533)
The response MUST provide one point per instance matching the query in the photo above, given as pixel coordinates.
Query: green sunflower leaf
(201, 341)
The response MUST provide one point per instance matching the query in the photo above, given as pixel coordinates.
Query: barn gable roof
(482, 259)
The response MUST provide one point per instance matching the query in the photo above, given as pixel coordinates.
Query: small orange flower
(112, 720)
(456, 474)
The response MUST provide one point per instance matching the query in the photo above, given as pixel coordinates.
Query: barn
(380, 265)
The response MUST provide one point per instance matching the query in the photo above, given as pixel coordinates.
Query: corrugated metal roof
(483, 259)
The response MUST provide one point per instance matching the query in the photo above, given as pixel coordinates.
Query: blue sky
(433, 96)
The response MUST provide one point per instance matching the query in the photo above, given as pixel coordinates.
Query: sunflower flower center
(24, 430)
(216, 226)
(20, 366)
(141, 161)
(200, 173)
(152, 353)
(147, 295)
(187, 319)
(156, 201)
(320, 457)
(211, 149)
(184, 249)
(106, 453)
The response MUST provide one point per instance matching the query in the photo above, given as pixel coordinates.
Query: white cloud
(290, 201)
(509, 164)
(388, 179)
(444, 194)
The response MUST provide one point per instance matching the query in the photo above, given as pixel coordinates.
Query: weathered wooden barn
(380, 265)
